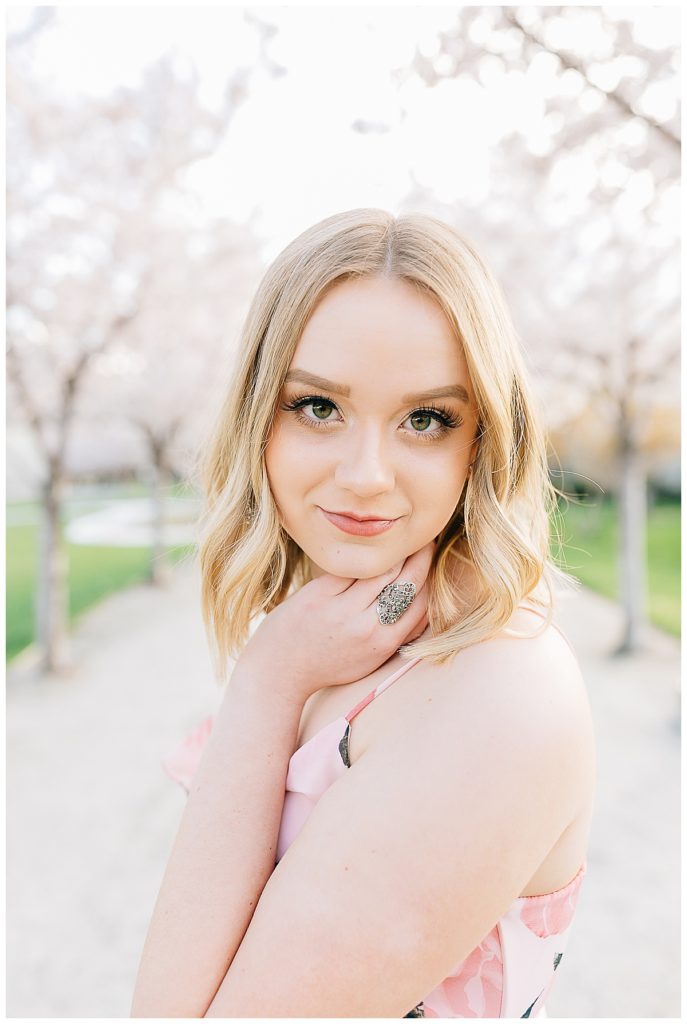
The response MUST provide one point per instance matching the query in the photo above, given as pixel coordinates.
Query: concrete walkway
(128, 523)
(91, 817)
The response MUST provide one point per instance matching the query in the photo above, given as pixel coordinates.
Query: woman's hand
(329, 633)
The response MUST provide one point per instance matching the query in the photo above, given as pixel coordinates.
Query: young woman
(389, 814)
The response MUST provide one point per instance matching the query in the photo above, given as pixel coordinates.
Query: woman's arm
(224, 851)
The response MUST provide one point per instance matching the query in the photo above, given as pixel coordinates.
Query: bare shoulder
(532, 680)
(511, 706)
(526, 696)
(525, 658)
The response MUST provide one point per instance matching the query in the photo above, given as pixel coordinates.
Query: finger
(364, 592)
(414, 569)
(394, 634)
(410, 623)
(419, 630)
(331, 585)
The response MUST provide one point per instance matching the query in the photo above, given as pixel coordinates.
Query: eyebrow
(448, 391)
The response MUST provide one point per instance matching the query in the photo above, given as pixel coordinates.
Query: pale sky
(291, 153)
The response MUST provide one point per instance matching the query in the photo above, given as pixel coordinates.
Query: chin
(363, 564)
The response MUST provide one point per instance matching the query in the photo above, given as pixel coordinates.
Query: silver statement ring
(394, 600)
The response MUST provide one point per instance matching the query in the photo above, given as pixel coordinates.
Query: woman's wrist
(252, 682)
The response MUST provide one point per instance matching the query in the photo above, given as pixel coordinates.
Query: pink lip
(360, 527)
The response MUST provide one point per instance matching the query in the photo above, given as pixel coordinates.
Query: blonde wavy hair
(502, 519)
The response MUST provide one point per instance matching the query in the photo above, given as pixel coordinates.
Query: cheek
(434, 485)
(289, 464)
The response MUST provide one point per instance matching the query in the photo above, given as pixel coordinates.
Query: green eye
(321, 409)
(432, 424)
(312, 410)
(421, 421)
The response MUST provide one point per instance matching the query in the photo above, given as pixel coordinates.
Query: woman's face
(376, 419)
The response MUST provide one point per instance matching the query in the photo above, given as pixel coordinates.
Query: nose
(363, 467)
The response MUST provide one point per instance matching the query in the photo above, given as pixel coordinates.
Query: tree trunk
(52, 592)
(159, 571)
(632, 538)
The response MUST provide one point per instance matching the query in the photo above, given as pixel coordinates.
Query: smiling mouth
(359, 526)
(362, 519)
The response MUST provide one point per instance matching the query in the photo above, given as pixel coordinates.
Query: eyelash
(447, 421)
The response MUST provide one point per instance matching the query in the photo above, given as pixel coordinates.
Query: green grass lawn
(590, 532)
(94, 571)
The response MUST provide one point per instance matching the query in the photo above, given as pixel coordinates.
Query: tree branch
(571, 63)
(32, 415)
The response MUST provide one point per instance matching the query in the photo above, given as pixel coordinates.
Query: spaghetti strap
(380, 688)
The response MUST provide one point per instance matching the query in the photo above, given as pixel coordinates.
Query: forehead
(385, 328)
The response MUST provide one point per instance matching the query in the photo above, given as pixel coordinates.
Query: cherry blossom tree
(89, 181)
(164, 378)
(580, 223)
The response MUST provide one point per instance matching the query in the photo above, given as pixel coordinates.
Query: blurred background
(157, 159)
